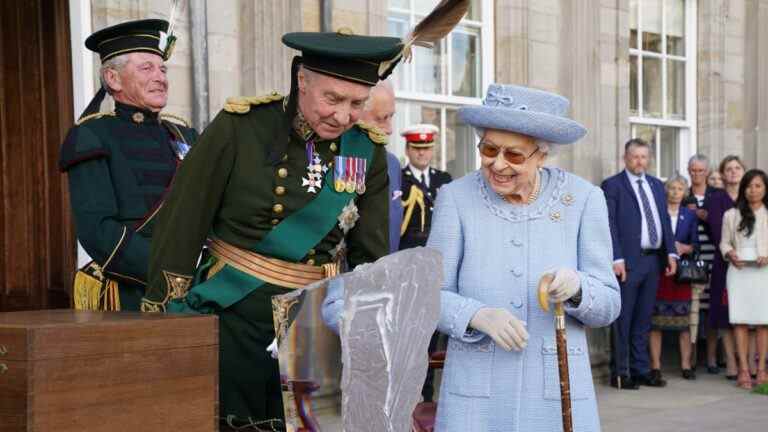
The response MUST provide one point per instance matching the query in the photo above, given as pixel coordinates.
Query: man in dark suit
(420, 184)
(643, 245)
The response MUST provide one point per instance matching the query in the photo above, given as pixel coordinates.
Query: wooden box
(67, 371)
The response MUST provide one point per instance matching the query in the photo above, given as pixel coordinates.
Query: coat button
(311, 261)
(282, 173)
(275, 221)
(517, 301)
(311, 252)
(517, 272)
(517, 242)
(277, 208)
(334, 147)
(280, 190)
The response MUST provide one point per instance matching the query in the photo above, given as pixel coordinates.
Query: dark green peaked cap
(362, 59)
(148, 35)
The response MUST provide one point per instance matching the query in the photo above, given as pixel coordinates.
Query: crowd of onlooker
(692, 258)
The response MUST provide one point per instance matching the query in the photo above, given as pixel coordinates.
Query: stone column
(756, 85)
(266, 62)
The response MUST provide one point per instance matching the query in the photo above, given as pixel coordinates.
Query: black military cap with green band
(362, 59)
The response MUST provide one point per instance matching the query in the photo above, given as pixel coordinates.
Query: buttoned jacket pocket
(579, 373)
(468, 368)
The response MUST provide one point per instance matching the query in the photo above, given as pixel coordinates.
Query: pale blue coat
(493, 256)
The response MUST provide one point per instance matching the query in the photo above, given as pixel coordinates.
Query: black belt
(650, 251)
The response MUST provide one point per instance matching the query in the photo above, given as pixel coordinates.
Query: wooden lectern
(67, 371)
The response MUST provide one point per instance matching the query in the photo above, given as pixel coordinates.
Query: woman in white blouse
(745, 245)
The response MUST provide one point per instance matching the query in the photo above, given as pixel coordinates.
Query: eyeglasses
(512, 156)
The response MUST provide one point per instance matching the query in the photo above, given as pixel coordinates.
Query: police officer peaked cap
(361, 59)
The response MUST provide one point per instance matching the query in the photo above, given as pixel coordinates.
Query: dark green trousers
(249, 380)
(130, 296)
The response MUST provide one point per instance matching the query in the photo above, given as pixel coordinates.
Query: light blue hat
(525, 111)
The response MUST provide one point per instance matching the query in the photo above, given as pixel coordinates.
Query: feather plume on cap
(168, 39)
(431, 29)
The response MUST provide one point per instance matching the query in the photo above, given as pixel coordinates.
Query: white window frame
(687, 128)
(485, 29)
(83, 87)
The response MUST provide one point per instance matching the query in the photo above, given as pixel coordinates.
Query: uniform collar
(301, 126)
(135, 114)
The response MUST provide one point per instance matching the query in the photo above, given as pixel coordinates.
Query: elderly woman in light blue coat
(499, 230)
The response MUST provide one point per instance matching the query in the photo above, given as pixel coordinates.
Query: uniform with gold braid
(119, 165)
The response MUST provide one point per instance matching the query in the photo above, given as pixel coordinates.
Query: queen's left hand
(565, 285)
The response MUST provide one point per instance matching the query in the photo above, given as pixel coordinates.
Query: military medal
(350, 175)
(180, 148)
(360, 178)
(315, 169)
(338, 173)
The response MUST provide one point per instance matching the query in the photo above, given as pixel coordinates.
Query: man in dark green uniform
(285, 192)
(121, 163)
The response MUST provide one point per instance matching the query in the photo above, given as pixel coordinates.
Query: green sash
(290, 240)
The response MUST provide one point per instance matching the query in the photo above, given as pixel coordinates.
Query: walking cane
(562, 350)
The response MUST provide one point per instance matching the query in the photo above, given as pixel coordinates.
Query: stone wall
(580, 50)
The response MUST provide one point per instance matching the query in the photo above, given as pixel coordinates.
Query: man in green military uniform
(285, 192)
(121, 163)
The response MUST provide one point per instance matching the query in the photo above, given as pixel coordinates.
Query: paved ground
(710, 403)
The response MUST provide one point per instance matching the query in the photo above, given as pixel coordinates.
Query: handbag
(691, 269)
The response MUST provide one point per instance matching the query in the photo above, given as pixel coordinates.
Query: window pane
(633, 23)
(465, 63)
(428, 64)
(650, 22)
(651, 87)
(633, 87)
(668, 151)
(424, 7)
(460, 145)
(676, 89)
(397, 26)
(402, 4)
(648, 134)
(675, 23)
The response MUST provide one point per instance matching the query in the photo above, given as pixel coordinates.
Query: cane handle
(544, 283)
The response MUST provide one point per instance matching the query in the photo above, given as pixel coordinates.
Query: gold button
(285, 157)
(280, 190)
(275, 221)
(311, 252)
(282, 173)
(334, 147)
(277, 208)
(311, 261)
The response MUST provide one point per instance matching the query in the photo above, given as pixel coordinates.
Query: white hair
(544, 147)
(381, 86)
(116, 63)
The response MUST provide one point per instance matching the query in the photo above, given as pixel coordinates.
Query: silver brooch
(555, 216)
(567, 199)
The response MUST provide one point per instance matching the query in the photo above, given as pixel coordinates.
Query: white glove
(565, 285)
(504, 328)
(272, 348)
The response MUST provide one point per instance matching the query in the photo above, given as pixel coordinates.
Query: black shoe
(653, 379)
(730, 377)
(713, 370)
(623, 382)
(689, 374)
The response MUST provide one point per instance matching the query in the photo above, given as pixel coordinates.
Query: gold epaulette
(93, 116)
(376, 135)
(175, 118)
(243, 104)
